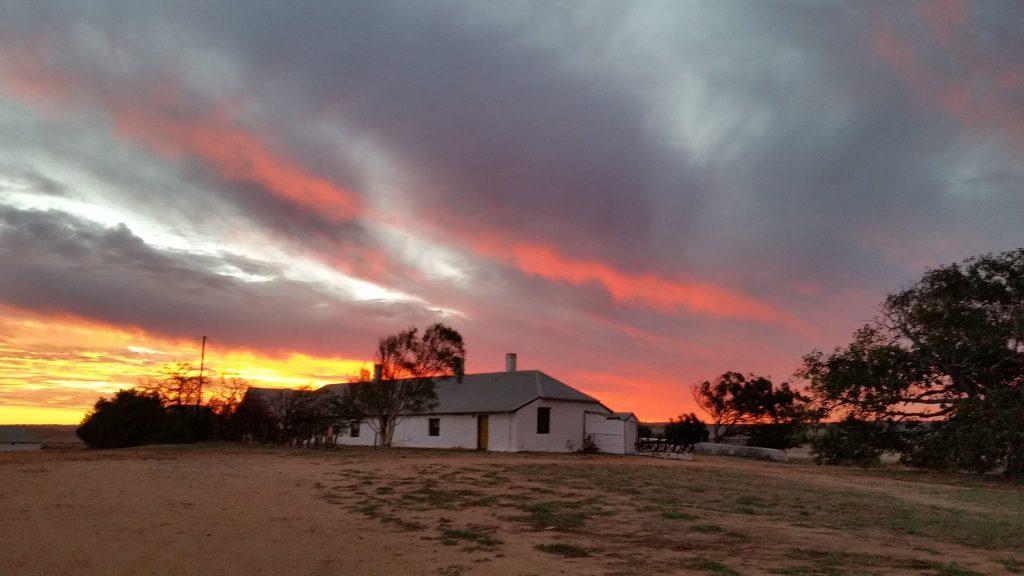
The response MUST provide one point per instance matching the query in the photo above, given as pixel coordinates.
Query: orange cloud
(150, 111)
(237, 155)
(649, 290)
(25, 73)
(975, 83)
(944, 18)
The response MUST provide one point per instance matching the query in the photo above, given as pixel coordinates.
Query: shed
(18, 439)
(613, 433)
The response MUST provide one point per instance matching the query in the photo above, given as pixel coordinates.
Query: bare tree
(407, 366)
(303, 415)
(177, 385)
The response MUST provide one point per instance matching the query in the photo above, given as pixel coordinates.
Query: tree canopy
(409, 364)
(750, 403)
(939, 375)
(130, 418)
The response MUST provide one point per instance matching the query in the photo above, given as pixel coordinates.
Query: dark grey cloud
(55, 263)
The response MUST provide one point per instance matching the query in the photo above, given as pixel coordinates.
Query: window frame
(433, 427)
(353, 429)
(543, 420)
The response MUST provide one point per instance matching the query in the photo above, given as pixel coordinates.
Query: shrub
(852, 441)
(130, 418)
(780, 436)
(589, 445)
(686, 430)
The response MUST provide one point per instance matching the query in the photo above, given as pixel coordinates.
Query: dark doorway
(481, 432)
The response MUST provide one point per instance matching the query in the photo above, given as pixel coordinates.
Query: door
(481, 432)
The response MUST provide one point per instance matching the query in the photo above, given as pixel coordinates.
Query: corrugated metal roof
(622, 415)
(489, 392)
(17, 435)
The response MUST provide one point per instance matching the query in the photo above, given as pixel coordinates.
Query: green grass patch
(707, 529)
(1012, 565)
(677, 515)
(563, 549)
(956, 570)
(709, 566)
(557, 514)
(479, 535)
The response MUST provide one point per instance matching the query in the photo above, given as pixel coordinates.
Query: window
(434, 426)
(543, 420)
(353, 430)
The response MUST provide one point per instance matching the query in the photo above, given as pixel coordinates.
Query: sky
(634, 197)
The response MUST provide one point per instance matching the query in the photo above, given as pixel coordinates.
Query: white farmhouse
(510, 411)
(18, 439)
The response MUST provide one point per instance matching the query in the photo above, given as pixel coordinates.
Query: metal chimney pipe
(510, 362)
(377, 370)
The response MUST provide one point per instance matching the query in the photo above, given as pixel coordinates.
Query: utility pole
(202, 362)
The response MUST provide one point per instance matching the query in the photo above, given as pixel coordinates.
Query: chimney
(510, 362)
(377, 369)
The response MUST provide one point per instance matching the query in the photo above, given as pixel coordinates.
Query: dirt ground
(246, 510)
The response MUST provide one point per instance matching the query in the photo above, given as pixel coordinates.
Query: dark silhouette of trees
(179, 415)
(773, 414)
(177, 384)
(939, 375)
(130, 418)
(408, 365)
(686, 431)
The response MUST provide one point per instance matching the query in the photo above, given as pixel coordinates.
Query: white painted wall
(567, 425)
(20, 446)
(632, 433)
(514, 432)
(613, 436)
(456, 431)
(367, 435)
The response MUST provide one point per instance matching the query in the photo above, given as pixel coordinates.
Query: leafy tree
(853, 441)
(686, 430)
(130, 418)
(787, 416)
(254, 420)
(942, 367)
(734, 401)
(644, 431)
(409, 365)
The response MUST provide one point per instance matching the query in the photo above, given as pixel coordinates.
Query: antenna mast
(202, 362)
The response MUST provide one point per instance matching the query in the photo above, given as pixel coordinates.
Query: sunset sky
(632, 196)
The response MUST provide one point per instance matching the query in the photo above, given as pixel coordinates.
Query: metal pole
(202, 362)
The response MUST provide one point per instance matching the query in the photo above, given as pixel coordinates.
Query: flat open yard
(247, 510)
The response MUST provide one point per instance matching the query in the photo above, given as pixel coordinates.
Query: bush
(686, 430)
(779, 436)
(589, 445)
(130, 418)
(974, 439)
(852, 441)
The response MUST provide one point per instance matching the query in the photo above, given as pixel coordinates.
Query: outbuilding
(18, 439)
(613, 433)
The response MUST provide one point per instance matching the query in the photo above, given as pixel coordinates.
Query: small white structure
(18, 439)
(510, 411)
(613, 433)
